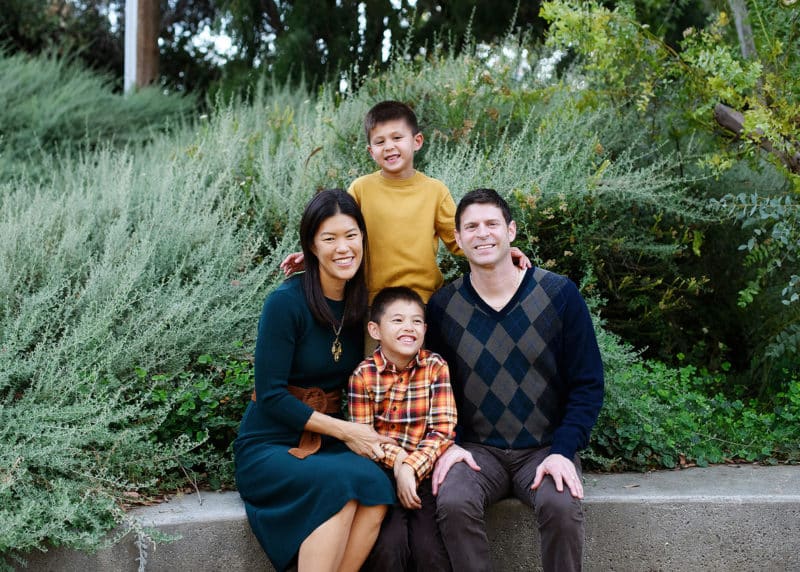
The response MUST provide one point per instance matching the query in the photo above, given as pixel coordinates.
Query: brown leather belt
(324, 402)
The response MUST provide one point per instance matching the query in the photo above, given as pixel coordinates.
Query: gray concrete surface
(705, 519)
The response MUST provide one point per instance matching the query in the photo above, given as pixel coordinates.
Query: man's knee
(459, 496)
(558, 509)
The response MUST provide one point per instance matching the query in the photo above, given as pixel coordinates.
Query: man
(528, 380)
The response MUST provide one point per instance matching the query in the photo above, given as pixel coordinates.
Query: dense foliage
(52, 107)
(740, 95)
(131, 276)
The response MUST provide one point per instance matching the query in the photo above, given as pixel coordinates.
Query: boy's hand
(519, 258)
(294, 263)
(407, 487)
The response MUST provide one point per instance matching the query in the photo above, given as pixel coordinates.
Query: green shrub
(69, 455)
(205, 404)
(126, 259)
(53, 104)
(657, 416)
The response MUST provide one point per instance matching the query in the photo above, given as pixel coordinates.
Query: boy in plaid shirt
(404, 392)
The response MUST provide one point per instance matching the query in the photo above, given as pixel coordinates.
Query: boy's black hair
(483, 197)
(390, 110)
(390, 295)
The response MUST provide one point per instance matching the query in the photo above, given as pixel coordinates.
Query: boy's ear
(374, 331)
(418, 140)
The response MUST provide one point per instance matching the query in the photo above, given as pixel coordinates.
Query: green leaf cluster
(657, 416)
(741, 95)
(205, 404)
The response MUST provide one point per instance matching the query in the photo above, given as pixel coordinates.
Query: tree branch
(733, 121)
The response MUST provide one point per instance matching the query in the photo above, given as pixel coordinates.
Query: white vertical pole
(131, 32)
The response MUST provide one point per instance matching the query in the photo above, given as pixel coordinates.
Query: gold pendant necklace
(336, 348)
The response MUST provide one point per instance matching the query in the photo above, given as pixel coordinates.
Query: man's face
(484, 235)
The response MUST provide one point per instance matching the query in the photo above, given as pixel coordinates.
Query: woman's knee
(371, 515)
(349, 508)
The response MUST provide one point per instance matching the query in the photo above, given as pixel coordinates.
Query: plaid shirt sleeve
(360, 405)
(441, 420)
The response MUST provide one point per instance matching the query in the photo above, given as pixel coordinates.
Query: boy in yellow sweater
(405, 211)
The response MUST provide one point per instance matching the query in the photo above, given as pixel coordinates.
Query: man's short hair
(482, 197)
(391, 295)
(390, 110)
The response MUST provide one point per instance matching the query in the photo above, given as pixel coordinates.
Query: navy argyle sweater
(529, 375)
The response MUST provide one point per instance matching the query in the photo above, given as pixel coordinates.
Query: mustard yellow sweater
(405, 220)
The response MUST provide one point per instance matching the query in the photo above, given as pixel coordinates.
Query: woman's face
(338, 245)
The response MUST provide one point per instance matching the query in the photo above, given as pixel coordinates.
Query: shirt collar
(381, 363)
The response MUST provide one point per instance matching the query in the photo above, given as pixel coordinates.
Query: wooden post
(147, 42)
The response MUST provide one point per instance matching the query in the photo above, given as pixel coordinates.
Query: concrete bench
(718, 518)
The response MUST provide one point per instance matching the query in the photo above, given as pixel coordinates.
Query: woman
(306, 495)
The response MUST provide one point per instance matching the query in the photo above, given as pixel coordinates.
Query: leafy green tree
(63, 26)
(742, 91)
(292, 38)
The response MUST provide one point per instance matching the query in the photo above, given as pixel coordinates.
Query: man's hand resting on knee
(562, 470)
(453, 455)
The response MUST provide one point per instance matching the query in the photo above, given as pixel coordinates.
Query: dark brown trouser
(465, 494)
(409, 539)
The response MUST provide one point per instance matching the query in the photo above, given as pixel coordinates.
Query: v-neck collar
(509, 305)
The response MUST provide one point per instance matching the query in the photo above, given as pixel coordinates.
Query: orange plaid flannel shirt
(414, 406)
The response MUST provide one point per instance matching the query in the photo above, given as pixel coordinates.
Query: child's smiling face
(392, 145)
(401, 331)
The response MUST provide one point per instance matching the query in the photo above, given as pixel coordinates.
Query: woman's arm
(361, 439)
(281, 325)
(360, 410)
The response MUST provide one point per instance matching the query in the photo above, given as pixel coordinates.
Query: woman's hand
(365, 441)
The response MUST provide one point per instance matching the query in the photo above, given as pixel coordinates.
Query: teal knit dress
(287, 498)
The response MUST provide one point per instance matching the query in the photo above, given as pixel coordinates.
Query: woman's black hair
(325, 204)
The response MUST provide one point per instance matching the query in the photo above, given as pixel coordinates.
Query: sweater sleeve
(279, 328)
(445, 224)
(581, 368)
